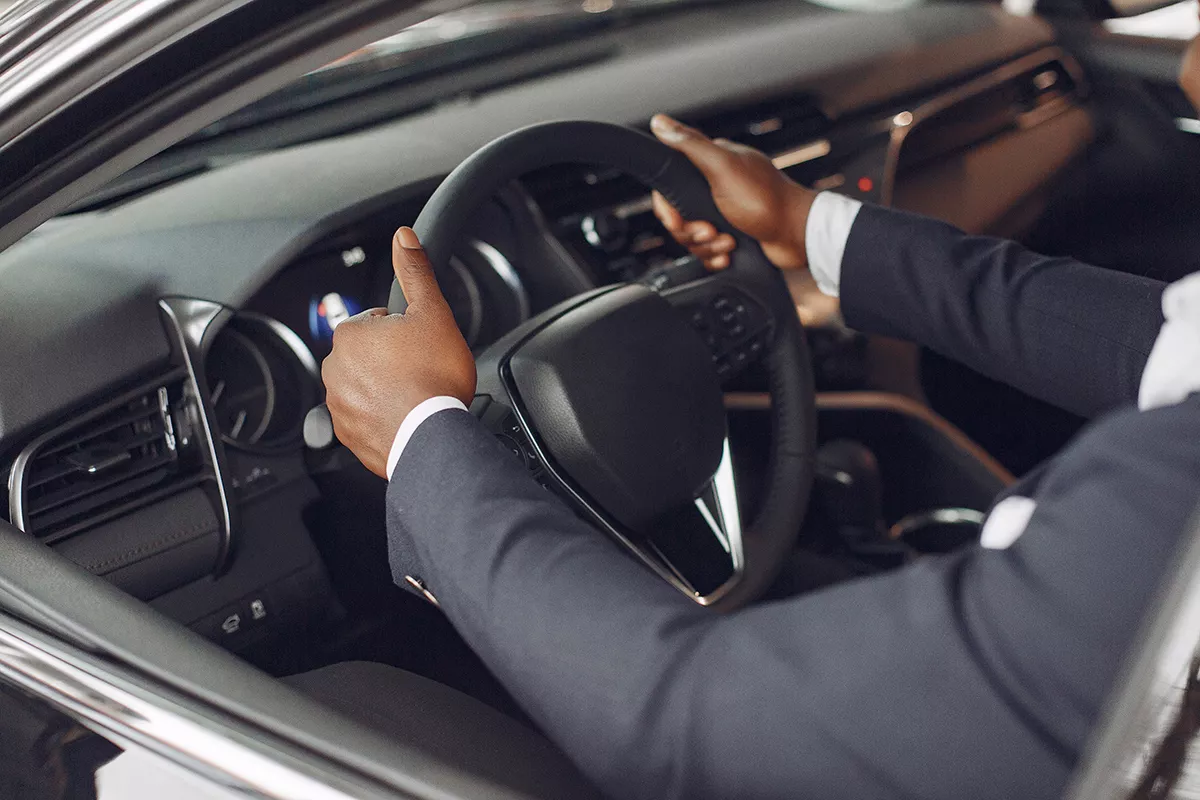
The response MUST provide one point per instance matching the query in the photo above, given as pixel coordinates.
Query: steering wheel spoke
(736, 328)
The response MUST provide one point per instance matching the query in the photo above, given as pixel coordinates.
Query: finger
(413, 270)
(716, 263)
(701, 232)
(710, 158)
(667, 214)
(721, 247)
(346, 328)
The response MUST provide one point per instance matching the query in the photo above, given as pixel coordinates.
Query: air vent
(142, 449)
(773, 126)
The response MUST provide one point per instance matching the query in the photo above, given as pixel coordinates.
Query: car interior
(180, 458)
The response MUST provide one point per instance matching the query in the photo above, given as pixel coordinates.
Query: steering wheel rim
(769, 538)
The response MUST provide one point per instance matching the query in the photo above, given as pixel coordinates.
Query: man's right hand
(754, 196)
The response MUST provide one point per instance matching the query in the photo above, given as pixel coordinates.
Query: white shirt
(1172, 372)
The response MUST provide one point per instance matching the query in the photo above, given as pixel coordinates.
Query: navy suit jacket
(977, 674)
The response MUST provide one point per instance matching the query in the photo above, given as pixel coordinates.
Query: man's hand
(384, 365)
(749, 191)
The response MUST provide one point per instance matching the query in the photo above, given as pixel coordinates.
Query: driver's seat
(447, 724)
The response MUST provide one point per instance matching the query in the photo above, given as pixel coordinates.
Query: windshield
(472, 34)
(450, 55)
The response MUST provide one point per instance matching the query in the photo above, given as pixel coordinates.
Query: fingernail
(408, 238)
(726, 244)
(720, 262)
(703, 235)
(666, 129)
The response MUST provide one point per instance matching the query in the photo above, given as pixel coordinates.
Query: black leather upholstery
(154, 549)
(448, 725)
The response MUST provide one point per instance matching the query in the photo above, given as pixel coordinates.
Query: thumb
(708, 156)
(413, 269)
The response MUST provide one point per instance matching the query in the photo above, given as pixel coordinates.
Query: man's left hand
(384, 365)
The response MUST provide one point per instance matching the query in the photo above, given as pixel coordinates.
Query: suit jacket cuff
(409, 426)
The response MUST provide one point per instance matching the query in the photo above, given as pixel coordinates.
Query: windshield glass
(472, 34)
(450, 55)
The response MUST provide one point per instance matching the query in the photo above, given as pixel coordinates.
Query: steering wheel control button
(734, 328)
(512, 446)
(504, 425)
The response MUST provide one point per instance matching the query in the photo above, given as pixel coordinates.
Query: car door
(47, 755)
(87, 90)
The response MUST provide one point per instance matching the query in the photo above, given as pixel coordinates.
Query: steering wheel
(613, 398)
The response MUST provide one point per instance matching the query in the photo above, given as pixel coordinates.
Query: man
(976, 675)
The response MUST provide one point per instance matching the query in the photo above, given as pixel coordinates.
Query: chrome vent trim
(113, 460)
(149, 444)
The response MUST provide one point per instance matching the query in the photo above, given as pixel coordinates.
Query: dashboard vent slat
(79, 491)
(771, 126)
(125, 456)
(104, 427)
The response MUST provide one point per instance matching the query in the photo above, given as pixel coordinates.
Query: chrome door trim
(132, 713)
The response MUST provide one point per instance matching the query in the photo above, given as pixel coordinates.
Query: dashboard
(189, 323)
(351, 271)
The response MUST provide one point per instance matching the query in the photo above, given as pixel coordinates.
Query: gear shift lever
(851, 493)
(852, 490)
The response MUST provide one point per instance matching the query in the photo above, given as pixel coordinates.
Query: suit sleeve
(1074, 335)
(981, 671)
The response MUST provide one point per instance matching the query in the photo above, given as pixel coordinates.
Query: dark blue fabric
(1069, 333)
(975, 675)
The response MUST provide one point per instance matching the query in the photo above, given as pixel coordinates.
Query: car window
(1180, 21)
(139, 774)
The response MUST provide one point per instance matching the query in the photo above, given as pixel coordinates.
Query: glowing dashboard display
(327, 312)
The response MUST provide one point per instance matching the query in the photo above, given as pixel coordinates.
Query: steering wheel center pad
(625, 398)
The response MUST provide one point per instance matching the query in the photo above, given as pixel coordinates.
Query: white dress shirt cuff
(1173, 370)
(825, 237)
(1007, 522)
(422, 412)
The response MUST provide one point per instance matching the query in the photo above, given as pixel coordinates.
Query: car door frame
(89, 90)
(67, 638)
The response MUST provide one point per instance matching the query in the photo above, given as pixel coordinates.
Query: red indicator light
(866, 185)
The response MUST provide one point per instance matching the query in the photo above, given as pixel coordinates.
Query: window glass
(1180, 21)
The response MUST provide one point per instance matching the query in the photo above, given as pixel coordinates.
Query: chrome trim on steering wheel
(721, 496)
(722, 500)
